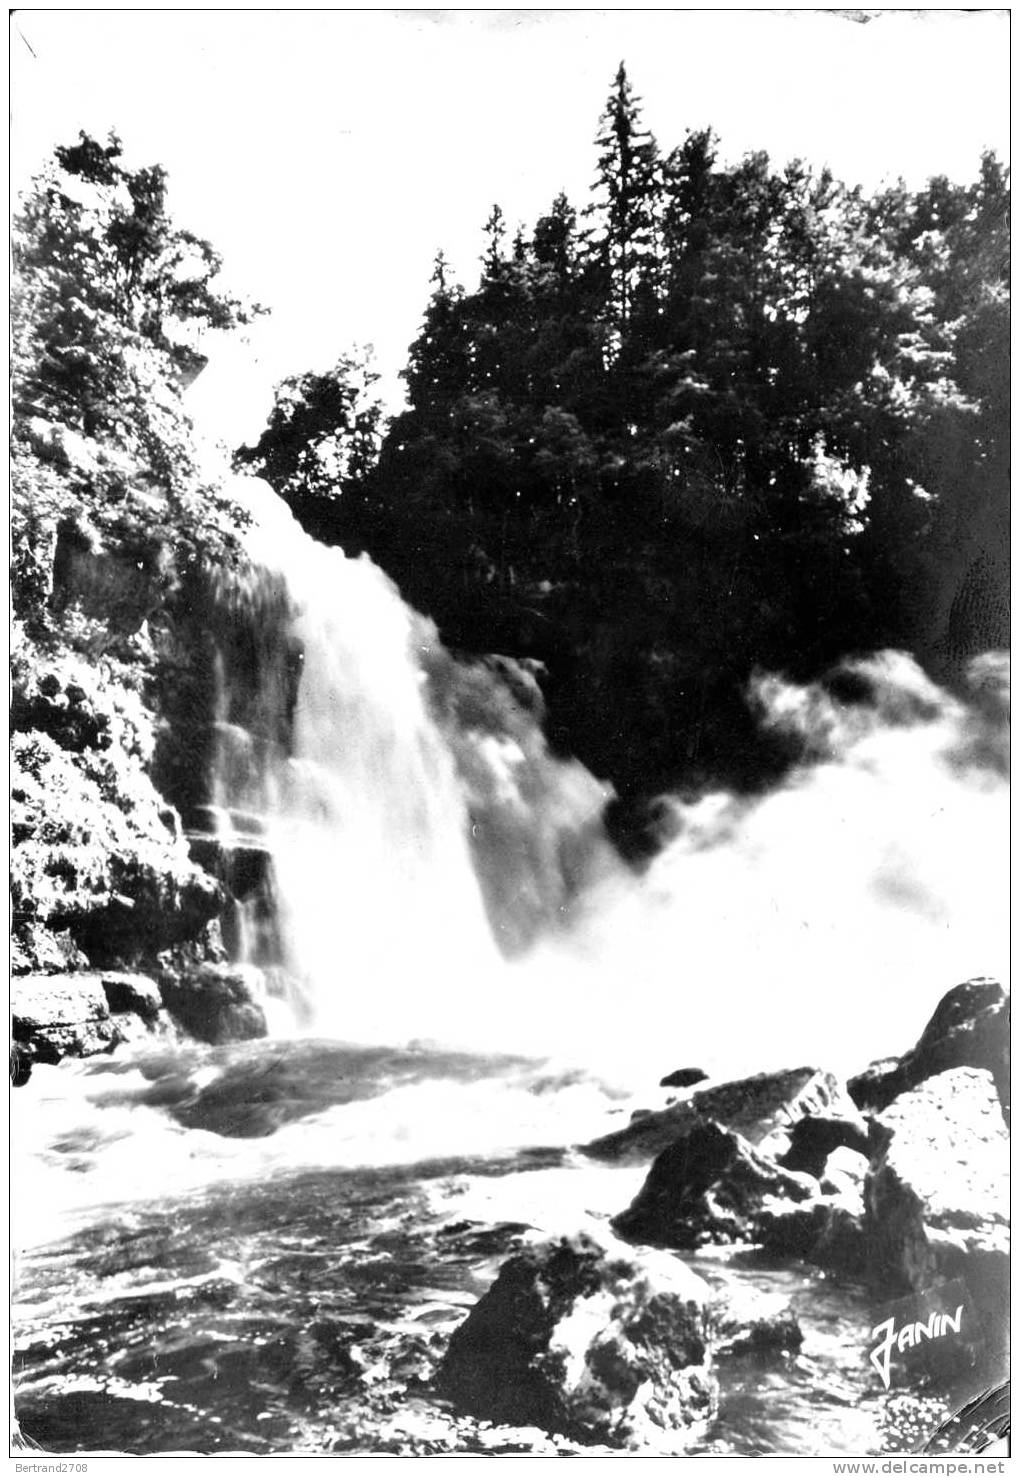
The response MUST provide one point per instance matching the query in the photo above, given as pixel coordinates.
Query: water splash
(421, 833)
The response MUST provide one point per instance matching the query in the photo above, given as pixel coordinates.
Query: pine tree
(495, 230)
(627, 187)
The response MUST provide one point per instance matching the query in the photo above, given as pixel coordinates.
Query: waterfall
(434, 873)
(379, 919)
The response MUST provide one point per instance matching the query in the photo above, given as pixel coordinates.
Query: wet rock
(59, 1015)
(710, 1186)
(936, 1196)
(135, 993)
(745, 1319)
(827, 1230)
(970, 1028)
(216, 1003)
(762, 1109)
(684, 1077)
(813, 1139)
(151, 1030)
(589, 1339)
(21, 1065)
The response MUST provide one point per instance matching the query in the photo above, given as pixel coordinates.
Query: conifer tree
(627, 188)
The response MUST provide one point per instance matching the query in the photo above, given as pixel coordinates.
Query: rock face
(73, 1015)
(100, 873)
(970, 1028)
(216, 1003)
(762, 1109)
(709, 1186)
(591, 1340)
(936, 1196)
(60, 1015)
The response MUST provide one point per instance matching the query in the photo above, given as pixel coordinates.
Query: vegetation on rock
(110, 519)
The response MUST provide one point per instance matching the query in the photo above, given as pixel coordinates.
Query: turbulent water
(264, 1247)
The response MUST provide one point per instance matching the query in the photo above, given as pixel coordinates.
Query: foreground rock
(745, 1320)
(763, 1109)
(937, 1194)
(970, 1028)
(217, 1003)
(826, 1230)
(132, 992)
(59, 1015)
(591, 1340)
(54, 1016)
(710, 1186)
(89, 1012)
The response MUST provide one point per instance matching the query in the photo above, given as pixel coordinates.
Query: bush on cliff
(110, 518)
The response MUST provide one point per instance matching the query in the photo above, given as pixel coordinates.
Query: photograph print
(509, 733)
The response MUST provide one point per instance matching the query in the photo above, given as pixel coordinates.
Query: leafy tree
(321, 441)
(109, 301)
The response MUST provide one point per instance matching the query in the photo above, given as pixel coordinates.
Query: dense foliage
(112, 528)
(728, 417)
(109, 299)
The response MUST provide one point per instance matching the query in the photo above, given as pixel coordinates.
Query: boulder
(58, 1015)
(589, 1339)
(134, 993)
(936, 1196)
(709, 1186)
(762, 1109)
(827, 1230)
(216, 1002)
(813, 1140)
(684, 1077)
(970, 1028)
(745, 1320)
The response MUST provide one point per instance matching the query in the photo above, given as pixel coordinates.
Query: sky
(329, 154)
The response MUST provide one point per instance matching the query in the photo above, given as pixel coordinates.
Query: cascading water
(414, 814)
(371, 805)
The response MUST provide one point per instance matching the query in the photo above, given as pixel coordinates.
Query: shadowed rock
(710, 1186)
(590, 1339)
(132, 992)
(827, 1230)
(813, 1139)
(937, 1194)
(970, 1028)
(216, 1003)
(762, 1109)
(684, 1077)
